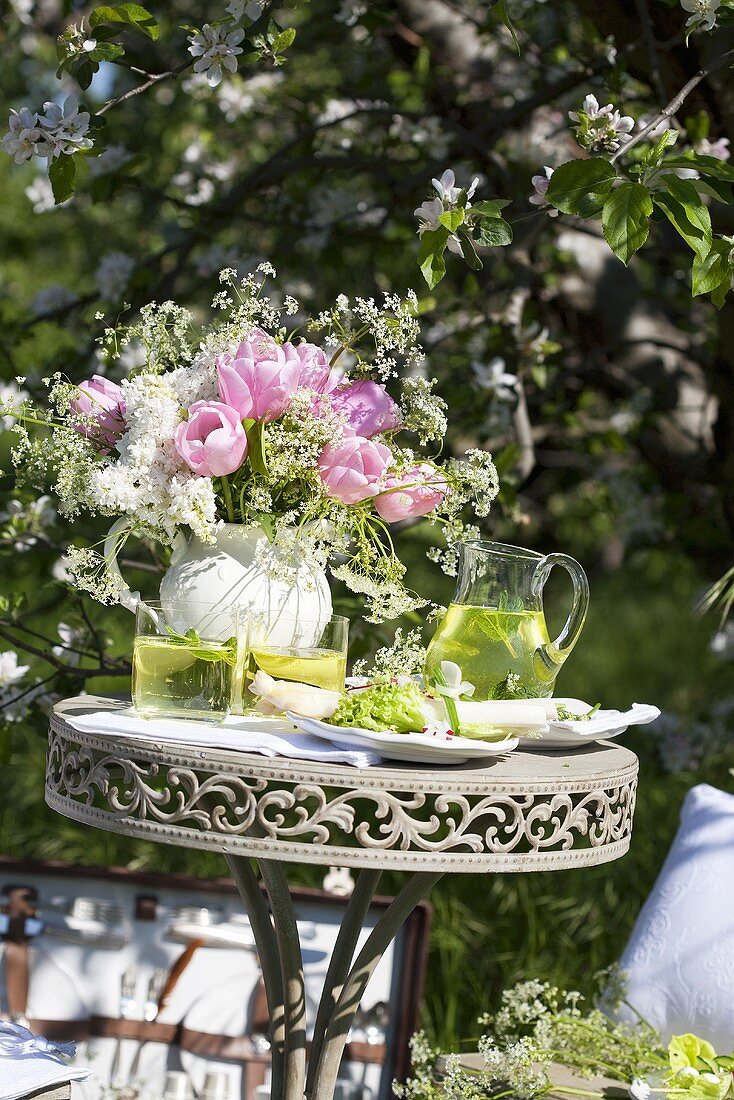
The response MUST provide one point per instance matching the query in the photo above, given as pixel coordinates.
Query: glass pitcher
(495, 627)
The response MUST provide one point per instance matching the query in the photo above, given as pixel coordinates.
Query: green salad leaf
(383, 706)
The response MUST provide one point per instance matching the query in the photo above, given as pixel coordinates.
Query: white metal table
(526, 811)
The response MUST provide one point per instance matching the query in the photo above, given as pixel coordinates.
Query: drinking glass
(181, 673)
(305, 651)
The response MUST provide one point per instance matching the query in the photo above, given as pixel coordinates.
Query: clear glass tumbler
(187, 674)
(305, 651)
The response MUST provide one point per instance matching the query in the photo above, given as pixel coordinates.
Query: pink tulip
(314, 371)
(412, 493)
(102, 406)
(368, 406)
(257, 380)
(352, 470)
(212, 441)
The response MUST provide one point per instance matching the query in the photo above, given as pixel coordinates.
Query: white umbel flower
(216, 49)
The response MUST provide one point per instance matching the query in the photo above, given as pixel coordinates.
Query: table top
(522, 811)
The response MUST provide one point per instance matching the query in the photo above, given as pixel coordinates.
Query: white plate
(604, 726)
(412, 748)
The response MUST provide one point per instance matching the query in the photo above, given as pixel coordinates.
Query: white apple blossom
(216, 49)
(71, 640)
(447, 190)
(351, 11)
(64, 127)
(113, 158)
(718, 148)
(495, 377)
(40, 195)
(113, 274)
(10, 671)
(52, 298)
(598, 129)
(540, 188)
(249, 9)
(703, 15)
(25, 137)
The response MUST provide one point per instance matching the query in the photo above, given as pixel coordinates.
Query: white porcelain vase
(228, 573)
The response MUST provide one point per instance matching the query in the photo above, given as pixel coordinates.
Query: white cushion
(680, 957)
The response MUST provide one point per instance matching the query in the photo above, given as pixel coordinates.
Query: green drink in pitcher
(495, 628)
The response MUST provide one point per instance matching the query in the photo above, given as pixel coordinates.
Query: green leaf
(505, 17)
(106, 51)
(470, 253)
(687, 213)
(452, 219)
(430, 257)
(494, 232)
(579, 186)
(135, 15)
(625, 219)
(282, 41)
(62, 174)
(491, 207)
(666, 139)
(712, 270)
(709, 166)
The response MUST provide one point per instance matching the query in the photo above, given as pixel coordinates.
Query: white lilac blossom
(703, 14)
(599, 129)
(65, 127)
(113, 275)
(216, 49)
(540, 188)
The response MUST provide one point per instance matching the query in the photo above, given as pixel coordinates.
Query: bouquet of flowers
(246, 422)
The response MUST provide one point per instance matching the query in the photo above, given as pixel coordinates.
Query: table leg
(342, 1017)
(269, 956)
(279, 950)
(341, 959)
(291, 968)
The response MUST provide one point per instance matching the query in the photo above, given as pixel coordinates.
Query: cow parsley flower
(216, 49)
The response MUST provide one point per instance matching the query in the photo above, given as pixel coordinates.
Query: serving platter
(410, 748)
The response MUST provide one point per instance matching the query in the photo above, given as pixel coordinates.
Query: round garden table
(524, 811)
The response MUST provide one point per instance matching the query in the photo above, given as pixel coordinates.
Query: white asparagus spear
(512, 714)
(281, 695)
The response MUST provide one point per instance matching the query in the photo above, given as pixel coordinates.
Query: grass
(641, 642)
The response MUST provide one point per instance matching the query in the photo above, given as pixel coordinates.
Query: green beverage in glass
(179, 671)
(495, 627)
(305, 651)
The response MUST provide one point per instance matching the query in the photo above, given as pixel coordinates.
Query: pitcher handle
(556, 651)
(116, 538)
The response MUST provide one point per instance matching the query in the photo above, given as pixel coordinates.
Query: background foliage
(604, 391)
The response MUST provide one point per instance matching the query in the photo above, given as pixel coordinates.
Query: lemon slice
(158, 659)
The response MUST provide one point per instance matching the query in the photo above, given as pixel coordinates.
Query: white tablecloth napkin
(237, 734)
(21, 1076)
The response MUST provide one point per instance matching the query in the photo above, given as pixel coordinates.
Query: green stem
(227, 498)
